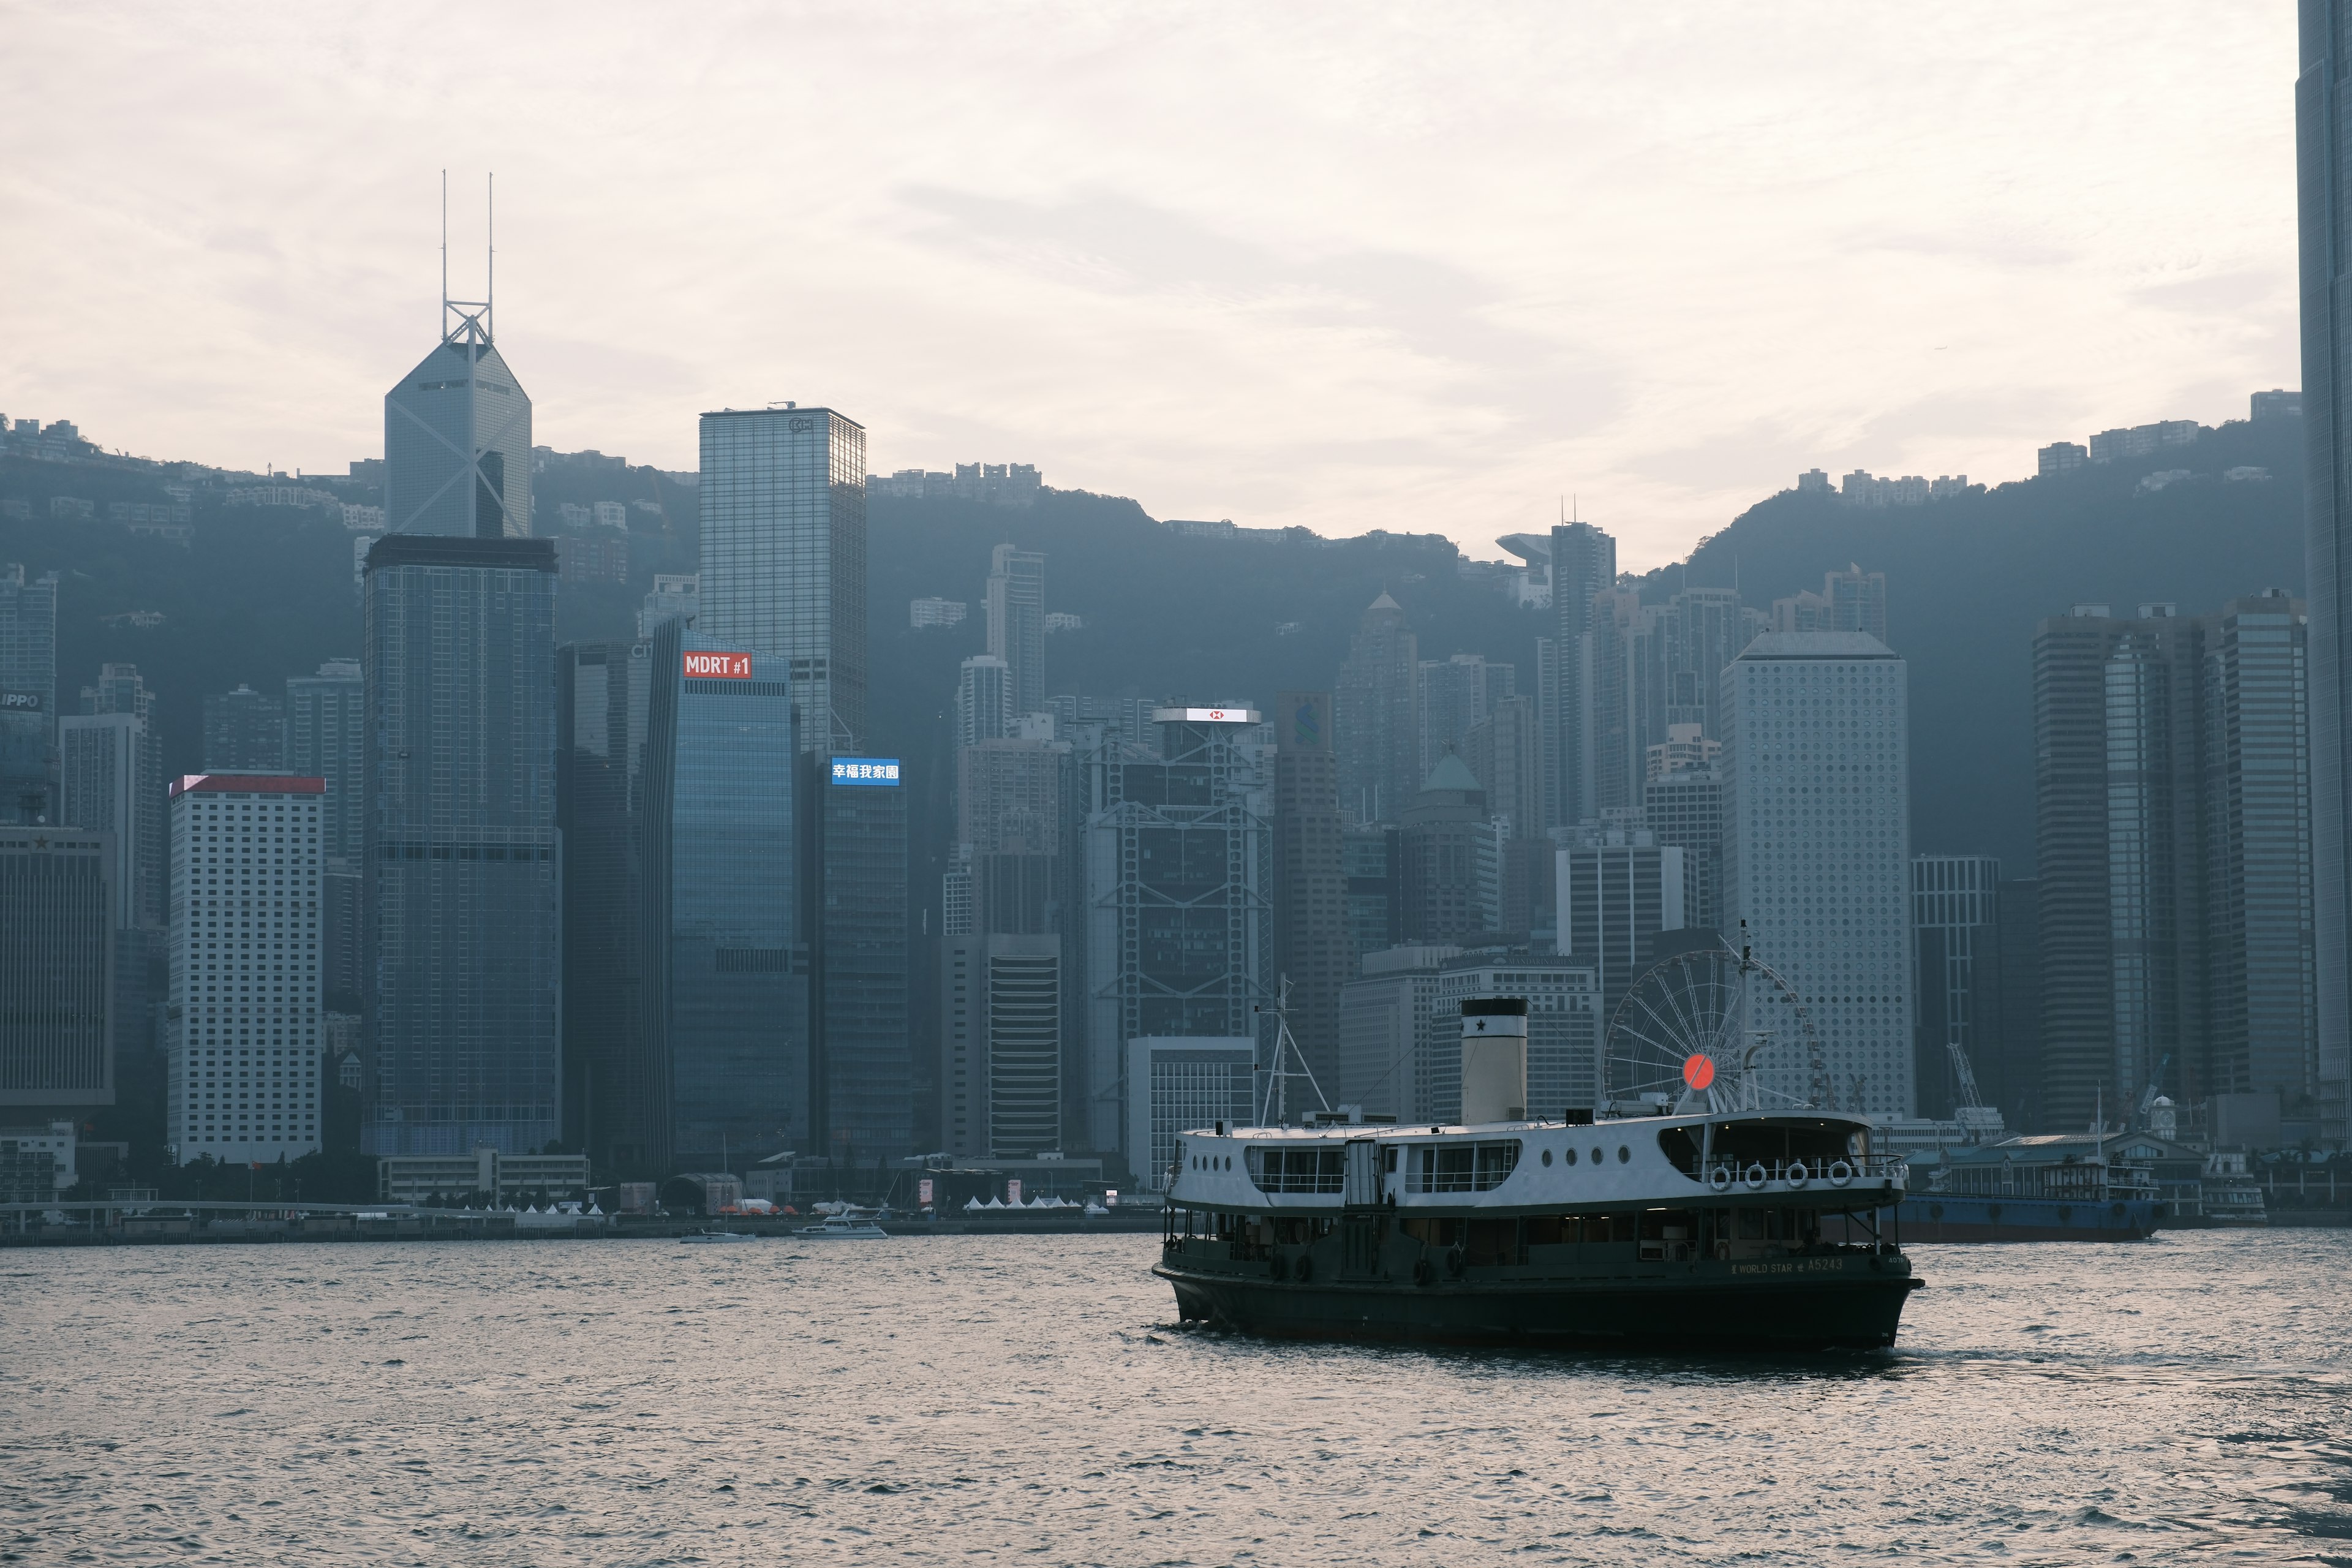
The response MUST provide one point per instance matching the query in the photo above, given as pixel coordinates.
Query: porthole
(1623, 1153)
(1597, 1156)
(1547, 1156)
(1570, 1156)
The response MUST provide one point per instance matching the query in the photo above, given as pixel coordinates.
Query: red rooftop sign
(719, 666)
(248, 783)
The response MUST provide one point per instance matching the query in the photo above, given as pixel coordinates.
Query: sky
(1426, 267)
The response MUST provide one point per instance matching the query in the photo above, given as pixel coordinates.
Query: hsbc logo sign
(719, 666)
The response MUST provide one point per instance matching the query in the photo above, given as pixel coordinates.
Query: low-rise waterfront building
(453, 1178)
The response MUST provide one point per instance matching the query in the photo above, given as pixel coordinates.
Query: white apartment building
(245, 1032)
(1817, 845)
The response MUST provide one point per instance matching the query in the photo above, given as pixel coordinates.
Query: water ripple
(974, 1399)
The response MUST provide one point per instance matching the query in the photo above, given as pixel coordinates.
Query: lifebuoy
(1755, 1176)
(1840, 1173)
(1306, 1269)
(1422, 1271)
(1720, 1178)
(1797, 1175)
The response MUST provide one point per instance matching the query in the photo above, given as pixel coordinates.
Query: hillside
(1968, 578)
(267, 593)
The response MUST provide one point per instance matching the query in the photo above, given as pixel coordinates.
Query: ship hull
(1839, 1301)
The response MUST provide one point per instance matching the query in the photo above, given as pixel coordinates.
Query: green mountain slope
(267, 593)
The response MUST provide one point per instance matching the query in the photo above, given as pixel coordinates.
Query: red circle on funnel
(1698, 1069)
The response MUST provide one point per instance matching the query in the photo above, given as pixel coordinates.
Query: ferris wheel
(1713, 1029)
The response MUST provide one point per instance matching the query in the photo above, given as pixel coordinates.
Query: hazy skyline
(1423, 268)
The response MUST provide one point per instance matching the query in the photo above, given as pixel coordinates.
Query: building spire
(468, 321)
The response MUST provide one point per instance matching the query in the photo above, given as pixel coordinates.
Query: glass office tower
(783, 557)
(456, 438)
(865, 1074)
(326, 729)
(2322, 136)
(726, 979)
(28, 692)
(611, 1089)
(460, 888)
(1180, 879)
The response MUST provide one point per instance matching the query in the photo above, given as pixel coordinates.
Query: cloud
(1373, 266)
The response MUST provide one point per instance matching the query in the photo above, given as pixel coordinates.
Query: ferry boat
(1704, 1224)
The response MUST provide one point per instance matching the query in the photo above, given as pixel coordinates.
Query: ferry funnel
(1493, 1059)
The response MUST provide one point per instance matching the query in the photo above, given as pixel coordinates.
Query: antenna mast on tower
(467, 320)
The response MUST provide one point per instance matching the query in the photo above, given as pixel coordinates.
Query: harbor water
(974, 1399)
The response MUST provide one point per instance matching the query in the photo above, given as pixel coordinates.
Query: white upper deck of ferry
(1815, 1158)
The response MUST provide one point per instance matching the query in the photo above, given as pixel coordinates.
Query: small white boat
(715, 1235)
(843, 1227)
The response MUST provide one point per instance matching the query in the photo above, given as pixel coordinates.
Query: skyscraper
(1583, 562)
(1618, 889)
(783, 557)
(1655, 670)
(725, 978)
(110, 776)
(1377, 717)
(98, 788)
(1455, 694)
(1177, 894)
(461, 912)
(1311, 945)
(28, 692)
(326, 737)
(1014, 801)
(1817, 845)
(675, 595)
(984, 700)
(2177, 877)
(1016, 622)
(1449, 860)
(457, 437)
(326, 717)
(1849, 601)
(56, 968)
(1684, 808)
(1001, 1055)
(1956, 926)
(615, 1096)
(1505, 753)
(863, 1075)
(2117, 786)
(245, 1051)
(2323, 127)
(120, 690)
(2262, 981)
(245, 732)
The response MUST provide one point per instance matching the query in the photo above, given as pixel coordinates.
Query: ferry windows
(1309, 1168)
(1680, 1149)
(1597, 1155)
(1569, 1155)
(1547, 1156)
(1623, 1153)
(1460, 1167)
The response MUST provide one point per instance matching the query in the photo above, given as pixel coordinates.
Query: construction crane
(1976, 1118)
